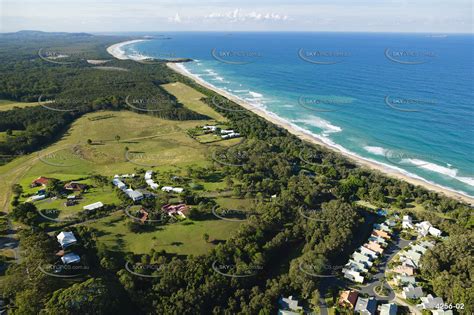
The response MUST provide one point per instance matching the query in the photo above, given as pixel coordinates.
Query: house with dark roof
(366, 306)
(348, 298)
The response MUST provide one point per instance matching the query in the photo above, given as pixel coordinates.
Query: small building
(75, 186)
(404, 270)
(381, 234)
(209, 128)
(357, 266)
(378, 240)
(348, 299)
(423, 228)
(152, 184)
(70, 258)
(289, 304)
(119, 184)
(430, 302)
(404, 280)
(37, 198)
(40, 181)
(418, 248)
(383, 227)
(133, 194)
(172, 189)
(388, 309)
(366, 306)
(374, 247)
(93, 206)
(362, 259)
(435, 232)
(148, 174)
(414, 256)
(368, 252)
(180, 209)
(353, 275)
(226, 131)
(427, 244)
(66, 239)
(407, 222)
(441, 312)
(412, 292)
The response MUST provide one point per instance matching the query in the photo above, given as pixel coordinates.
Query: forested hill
(69, 75)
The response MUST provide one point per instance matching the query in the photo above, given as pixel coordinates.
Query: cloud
(239, 15)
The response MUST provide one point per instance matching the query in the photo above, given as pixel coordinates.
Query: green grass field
(192, 99)
(181, 238)
(8, 105)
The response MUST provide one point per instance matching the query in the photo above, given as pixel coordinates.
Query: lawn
(181, 238)
(192, 99)
(8, 105)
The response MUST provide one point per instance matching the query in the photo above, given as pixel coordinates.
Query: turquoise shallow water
(404, 100)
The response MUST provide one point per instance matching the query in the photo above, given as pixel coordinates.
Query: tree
(89, 141)
(117, 138)
(205, 236)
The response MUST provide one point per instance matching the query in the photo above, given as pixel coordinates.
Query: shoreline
(308, 137)
(116, 49)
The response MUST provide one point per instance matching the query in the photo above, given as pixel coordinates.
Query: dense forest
(272, 244)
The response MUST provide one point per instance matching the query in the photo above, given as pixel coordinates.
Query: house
(210, 128)
(430, 302)
(289, 304)
(125, 176)
(381, 233)
(383, 227)
(93, 206)
(148, 174)
(404, 270)
(427, 244)
(382, 212)
(378, 239)
(40, 181)
(407, 222)
(70, 258)
(143, 214)
(374, 247)
(75, 186)
(412, 292)
(66, 239)
(414, 256)
(418, 248)
(180, 209)
(362, 259)
(172, 189)
(368, 252)
(353, 275)
(366, 306)
(133, 194)
(388, 309)
(357, 266)
(404, 280)
(435, 232)
(227, 131)
(37, 198)
(441, 312)
(390, 223)
(231, 135)
(152, 184)
(119, 184)
(423, 228)
(348, 298)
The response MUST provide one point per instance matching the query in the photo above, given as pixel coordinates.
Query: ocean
(401, 100)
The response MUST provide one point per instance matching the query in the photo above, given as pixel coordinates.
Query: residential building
(93, 206)
(366, 306)
(407, 222)
(388, 309)
(378, 240)
(40, 181)
(414, 256)
(75, 186)
(133, 194)
(442, 312)
(70, 258)
(383, 227)
(353, 275)
(289, 304)
(423, 228)
(368, 252)
(66, 239)
(362, 259)
(348, 298)
(357, 266)
(381, 233)
(405, 280)
(374, 246)
(148, 174)
(404, 270)
(435, 232)
(430, 302)
(418, 248)
(412, 292)
(119, 184)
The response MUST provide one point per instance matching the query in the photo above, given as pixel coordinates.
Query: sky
(435, 16)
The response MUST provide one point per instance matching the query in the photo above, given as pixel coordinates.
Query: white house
(378, 239)
(412, 292)
(227, 131)
(368, 252)
(172, 189)
(357, 266)
(133, 194)
(148, 174)
(441, 312)
(70, 258)
(388, 309)
(423, 228)
(289, 304)
(152, 184)
(118, 183)
(66, 238)
(429, 302)
(407, 222)
(362, 259)
(37, 197)
(418, 248)
(413, 256)
(353, 275)
(93, 206)
(435, 232)
(211, 128)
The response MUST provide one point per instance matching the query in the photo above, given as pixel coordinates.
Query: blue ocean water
(403, 100)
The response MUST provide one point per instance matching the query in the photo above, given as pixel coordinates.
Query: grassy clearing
(181, 238)
(192, 99)
(8, 105)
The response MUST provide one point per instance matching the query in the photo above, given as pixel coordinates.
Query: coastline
(308, 137)
(116, 49)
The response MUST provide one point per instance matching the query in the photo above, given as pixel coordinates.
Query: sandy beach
(117, 51)
(306, 136)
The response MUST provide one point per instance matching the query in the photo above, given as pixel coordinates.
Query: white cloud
(239, 15)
